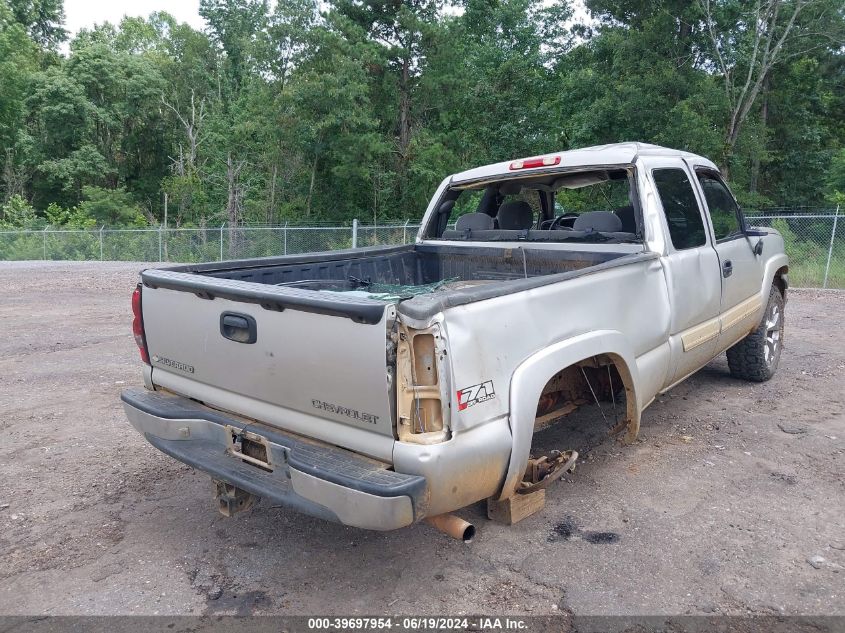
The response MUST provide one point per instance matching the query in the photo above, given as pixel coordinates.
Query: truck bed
(461, 271)
(405, 265)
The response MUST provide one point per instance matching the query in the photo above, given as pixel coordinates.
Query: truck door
(691, 267)
(741, 270)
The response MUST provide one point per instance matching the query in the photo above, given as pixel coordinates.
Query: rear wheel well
(603, 378)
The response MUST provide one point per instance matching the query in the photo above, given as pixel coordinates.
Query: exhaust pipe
(453, 526)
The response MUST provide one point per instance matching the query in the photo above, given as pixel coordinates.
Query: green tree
(335, 129)
(234, 25)
(110, 207)
(636, 79)
(73, 218)
(17, 213)
(835, 185)
(357, 108)
(394, 40)
(750, 41)
(42, 20)
(19, 59)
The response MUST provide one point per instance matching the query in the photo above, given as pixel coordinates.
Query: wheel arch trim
(777, 267)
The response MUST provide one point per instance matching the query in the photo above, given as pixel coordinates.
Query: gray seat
(515, 215)
(603, 221)
(474, 222)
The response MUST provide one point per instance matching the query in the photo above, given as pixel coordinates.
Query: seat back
(603, 221)
(474, 222)
(515, 215)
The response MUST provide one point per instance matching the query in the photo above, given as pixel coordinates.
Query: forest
(316, 112)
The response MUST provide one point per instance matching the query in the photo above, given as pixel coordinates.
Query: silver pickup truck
(378, 387)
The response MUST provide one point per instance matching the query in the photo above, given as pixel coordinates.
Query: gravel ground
(730, 502)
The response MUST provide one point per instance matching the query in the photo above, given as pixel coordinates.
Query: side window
(723, 210)
(683, 217)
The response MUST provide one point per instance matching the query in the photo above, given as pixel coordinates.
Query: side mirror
(757, 249)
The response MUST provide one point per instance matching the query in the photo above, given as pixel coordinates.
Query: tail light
(531, 163)
(138, 325)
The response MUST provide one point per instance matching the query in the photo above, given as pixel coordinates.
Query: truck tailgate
(318, 364)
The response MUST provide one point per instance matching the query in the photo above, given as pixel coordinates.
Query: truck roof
(598, 155)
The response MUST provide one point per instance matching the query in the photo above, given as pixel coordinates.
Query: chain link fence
(815, 242)
(196, 244)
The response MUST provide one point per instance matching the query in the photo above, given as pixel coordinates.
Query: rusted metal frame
(542, 471)
(235, 448)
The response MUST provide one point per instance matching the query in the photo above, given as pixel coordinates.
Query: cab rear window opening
(588, 206)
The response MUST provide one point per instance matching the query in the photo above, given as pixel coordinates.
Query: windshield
(585, 206)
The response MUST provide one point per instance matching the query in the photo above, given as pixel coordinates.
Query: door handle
(240, 328)
(727, 268)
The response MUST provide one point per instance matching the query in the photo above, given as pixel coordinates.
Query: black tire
(756, 357)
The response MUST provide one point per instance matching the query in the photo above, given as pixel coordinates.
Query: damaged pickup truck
(382, 386)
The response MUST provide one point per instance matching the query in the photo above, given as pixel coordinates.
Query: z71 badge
(470, 396)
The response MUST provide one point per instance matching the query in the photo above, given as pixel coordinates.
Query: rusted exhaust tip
(453, 526)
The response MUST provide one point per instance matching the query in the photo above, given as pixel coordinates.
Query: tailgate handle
(236, 327)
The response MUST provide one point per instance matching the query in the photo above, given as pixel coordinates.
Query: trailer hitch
(231, 499)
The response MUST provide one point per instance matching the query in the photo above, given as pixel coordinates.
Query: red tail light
(530, 163)
(138, 325)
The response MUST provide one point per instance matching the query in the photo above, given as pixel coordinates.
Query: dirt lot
(731, 491)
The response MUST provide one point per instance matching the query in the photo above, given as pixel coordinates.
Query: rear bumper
(315, 478)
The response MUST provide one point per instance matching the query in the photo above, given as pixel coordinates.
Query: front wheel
(756, 357)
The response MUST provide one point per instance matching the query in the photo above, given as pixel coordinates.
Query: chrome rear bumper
(312, 477)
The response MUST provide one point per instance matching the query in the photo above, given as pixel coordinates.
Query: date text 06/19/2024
(408, 623)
